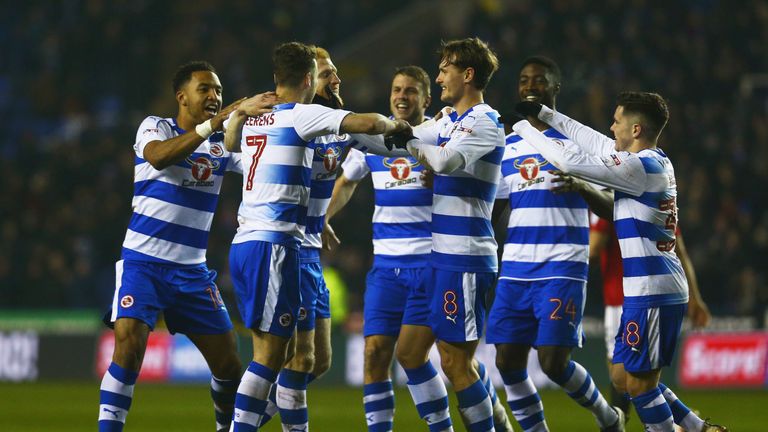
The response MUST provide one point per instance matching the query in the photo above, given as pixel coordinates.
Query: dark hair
(650, 107)
(184, 72)
(471, 53)
(420, 75)
(547, 62)
(292, 61)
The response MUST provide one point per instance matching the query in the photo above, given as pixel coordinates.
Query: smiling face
(327, 75)
(408, 99)
(538, 84)
(201, 96)
(451, 80)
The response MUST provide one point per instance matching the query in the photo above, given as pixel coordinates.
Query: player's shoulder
(156, 121)
(154, 126)
(654, 160)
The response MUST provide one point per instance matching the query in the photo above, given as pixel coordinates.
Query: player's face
(407, 101)
(327, 74)
(537, 84)
(451, 81)
(201, 96)
(622, 128)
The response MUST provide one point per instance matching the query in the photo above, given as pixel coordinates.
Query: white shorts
(611, 323)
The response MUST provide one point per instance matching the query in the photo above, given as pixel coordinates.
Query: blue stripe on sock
(381, 404)
(125, 376)
(292, 379)
(519, 404)
(421, 374)
(380, 427)
(116, 399)
(514, 377)
(244, 427)
(441, 426)
(110, 426)
(294, 416)
(653, 415)
(262, 371)
(562, 379)
(432, 406)
(377, 387)
(251, 404)
(531, 420)
(472, 395)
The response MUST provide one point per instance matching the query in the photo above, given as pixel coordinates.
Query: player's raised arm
(621, 171)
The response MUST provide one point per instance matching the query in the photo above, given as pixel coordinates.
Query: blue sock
(486, 379)
(681, 413)
(379, 403)
(430, 396)
(115, 397)
(524, 401)
(653, 411)
(223, 394)
(475, 406)
(251, 399)
(292, 399)
(579, 385)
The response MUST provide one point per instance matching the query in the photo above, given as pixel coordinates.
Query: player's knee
(508, 360)
(322, 362)
(455, 367)
(229, 367)
(377, 356)
(409, 358)
(129, 350)
(553, 366)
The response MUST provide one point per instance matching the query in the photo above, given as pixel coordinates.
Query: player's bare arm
(373, 124)
(162, 154)
(342, 193)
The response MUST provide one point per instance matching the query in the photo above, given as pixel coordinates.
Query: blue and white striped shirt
(462, 235)
(277, 153)
(173, 207)
(645, 210)
(547, 233)
(402, 235)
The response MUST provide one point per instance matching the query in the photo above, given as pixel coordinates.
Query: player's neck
(471, 98)
(640, 145)
(185, 121)
(289, 94)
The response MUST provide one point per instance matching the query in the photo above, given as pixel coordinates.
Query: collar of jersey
(284, 106)
(175, 126)
(455, 117)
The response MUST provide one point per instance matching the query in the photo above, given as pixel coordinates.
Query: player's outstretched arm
(592, 141)
(619, 171)
(162, 154)
(698, 311)
(600, 201)
(234, 132)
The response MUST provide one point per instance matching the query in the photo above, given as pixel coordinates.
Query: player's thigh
(648, 337)
(458, 304)
(456, 361)
(266, 280)
(269, 349)
(220, 352)
(379, 350)
(385, 301)
(511, 320)
(130, 342)
(559, 308)
(323, 348)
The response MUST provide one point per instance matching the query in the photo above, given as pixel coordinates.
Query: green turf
(31, 407)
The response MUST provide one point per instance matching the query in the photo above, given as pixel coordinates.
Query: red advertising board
(724, 360)
(156, 359)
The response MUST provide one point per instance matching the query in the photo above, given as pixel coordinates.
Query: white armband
(204, 129)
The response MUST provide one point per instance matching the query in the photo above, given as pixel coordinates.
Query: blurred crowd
(77, 78)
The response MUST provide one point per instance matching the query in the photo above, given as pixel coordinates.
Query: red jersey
(610, 263)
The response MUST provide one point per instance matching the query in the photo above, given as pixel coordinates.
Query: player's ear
(181, 98)
(469, 75)
(427, 101)
(637, 129)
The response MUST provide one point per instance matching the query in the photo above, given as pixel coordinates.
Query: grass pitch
(72, 406)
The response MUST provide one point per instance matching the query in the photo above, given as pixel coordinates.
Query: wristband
(204, 129)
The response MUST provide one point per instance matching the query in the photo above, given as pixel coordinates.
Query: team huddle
(440, 185)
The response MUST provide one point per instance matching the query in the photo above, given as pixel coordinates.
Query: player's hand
(698, 312)
(446, 111)
(528, 108)
(427, 178)
(563, 182)
(330, 241)
(397, 140)
(259, 104)
(510, 118)
(217, 122)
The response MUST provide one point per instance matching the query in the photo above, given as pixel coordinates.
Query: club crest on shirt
(216, 150)
(529, 167)
(202, 170)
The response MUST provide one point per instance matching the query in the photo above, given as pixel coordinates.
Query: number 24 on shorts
(570, 309)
